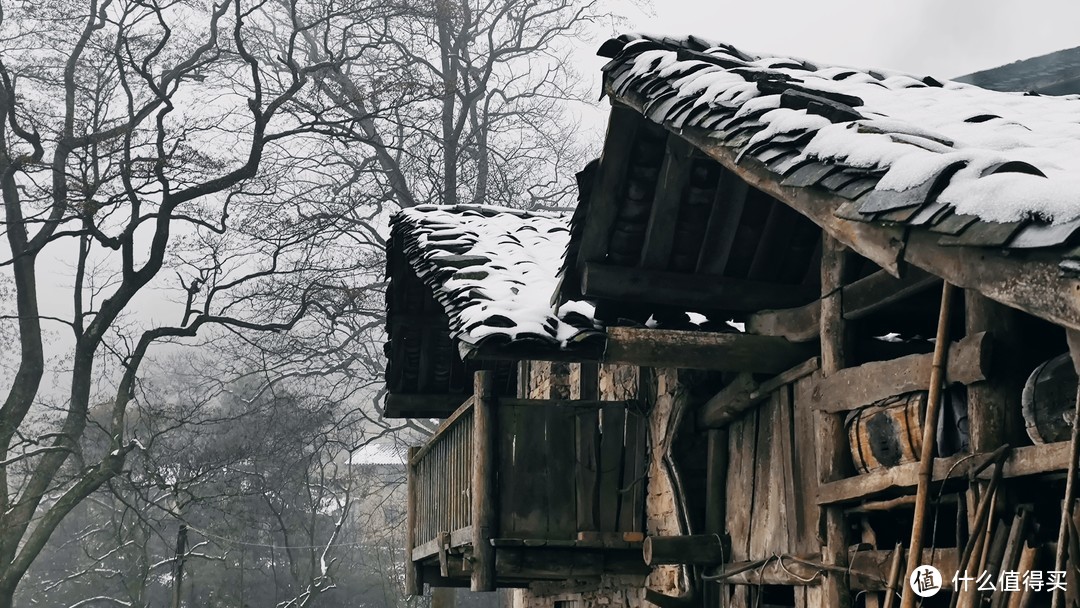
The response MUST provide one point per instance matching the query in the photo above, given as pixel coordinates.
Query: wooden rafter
(703, 350)
(686, 291)
(664, 216)
(1032, 284)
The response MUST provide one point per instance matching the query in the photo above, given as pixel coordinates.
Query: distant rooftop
(1057, 73)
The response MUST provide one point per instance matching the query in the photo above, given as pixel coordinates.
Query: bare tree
(142, 144)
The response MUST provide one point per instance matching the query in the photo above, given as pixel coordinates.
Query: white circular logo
(925, 581)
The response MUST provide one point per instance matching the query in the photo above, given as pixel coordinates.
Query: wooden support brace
(696, 549)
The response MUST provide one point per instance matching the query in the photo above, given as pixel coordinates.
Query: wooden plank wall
(771, 485)
(563, 469)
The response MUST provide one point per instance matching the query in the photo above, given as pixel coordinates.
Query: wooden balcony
(509, 492)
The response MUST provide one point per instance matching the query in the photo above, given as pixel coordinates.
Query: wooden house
(898, 260)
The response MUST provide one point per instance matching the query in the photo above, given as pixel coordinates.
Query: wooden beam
(744, 392)
(1051, 458)
(686, 291)
(860, 298)
(702, 350)
(540, 563)
(723, 225)
(855, 387)
(421, 406)
(832, 444)
(588, 350)
(664, 215)
(696, 549)
(484, 526)
(441, 429)
(1031, 282)
(603, 207)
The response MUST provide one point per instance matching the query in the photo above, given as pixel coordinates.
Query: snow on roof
(999, 157)
(493, 270)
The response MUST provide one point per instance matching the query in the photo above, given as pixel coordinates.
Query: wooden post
(413, 583)
(483, 478)
(832, 441)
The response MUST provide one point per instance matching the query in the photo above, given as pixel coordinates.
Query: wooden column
(832, 447)
(989, 402)
(483, 478)
(413, 584)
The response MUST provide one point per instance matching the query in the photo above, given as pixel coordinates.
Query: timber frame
(673, 220)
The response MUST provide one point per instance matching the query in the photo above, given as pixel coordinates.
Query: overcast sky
(944, 38)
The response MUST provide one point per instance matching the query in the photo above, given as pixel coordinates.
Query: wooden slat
(687, 290)
(742, 438)
(509, 480)
(700, 350)
(613, 425)
(614, 162)
(854, 387)
(464, 409)
(559, 442)
(664, 216)
(587, 448)
(632, 506)
(805, 471)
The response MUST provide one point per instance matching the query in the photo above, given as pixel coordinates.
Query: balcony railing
(524, 476)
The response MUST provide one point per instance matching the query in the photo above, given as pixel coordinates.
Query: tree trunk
(178, 571)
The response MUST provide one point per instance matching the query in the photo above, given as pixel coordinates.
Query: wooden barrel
(887, 433)
(1049, 400)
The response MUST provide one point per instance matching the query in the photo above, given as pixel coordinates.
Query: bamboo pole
(1070, 479)
(926, 458)
(894, 576)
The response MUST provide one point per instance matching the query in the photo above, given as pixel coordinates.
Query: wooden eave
(1033, 284)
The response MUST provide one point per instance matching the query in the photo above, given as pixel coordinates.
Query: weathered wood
(580, 404)
(587, 450)
(564, 563)
(860, 298)
(968, 362)
(701, 350)
(716, 481)
(421, 406)
(632, 505)
(770, 533)
(723, 225)
(790, 485)
(805, 466)
(697, 549)
(799, 324)
(833, 458)
(687, 290)
(881, 289)
(484, 524)
(744, 392)
(464, 409)
(413, 584)
(603, 207)
(742, 468)
(869, 570)
(611, 466)
(1032, 283)
(1073, 337)
(444, 545)
(560, 426)
(990, 401)
(664, 215)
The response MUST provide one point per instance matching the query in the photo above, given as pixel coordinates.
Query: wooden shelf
(1021, 462)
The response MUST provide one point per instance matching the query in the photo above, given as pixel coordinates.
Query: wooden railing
(512, 470)
(443, 479)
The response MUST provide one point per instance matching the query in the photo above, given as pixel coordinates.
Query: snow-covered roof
(493, 270)
(904, 149)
